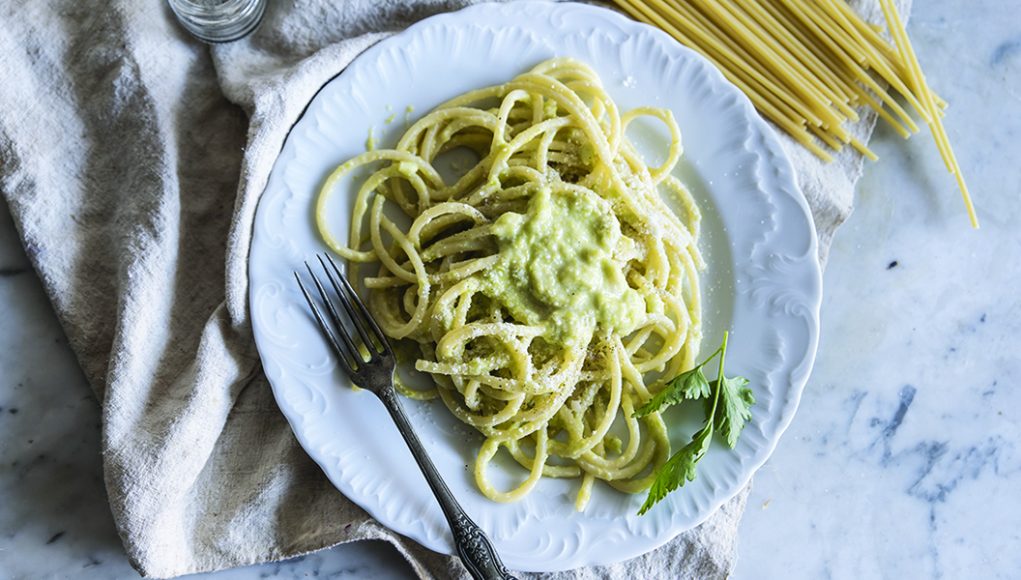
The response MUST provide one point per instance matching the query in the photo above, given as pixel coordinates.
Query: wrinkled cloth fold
(132, 158)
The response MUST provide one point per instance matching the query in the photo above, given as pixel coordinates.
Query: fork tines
(353, 353)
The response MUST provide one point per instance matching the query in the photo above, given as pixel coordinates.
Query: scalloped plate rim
(780, 161)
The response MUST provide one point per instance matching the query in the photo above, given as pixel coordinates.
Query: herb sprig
(728, 404)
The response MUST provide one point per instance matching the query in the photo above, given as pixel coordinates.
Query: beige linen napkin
(132, 158)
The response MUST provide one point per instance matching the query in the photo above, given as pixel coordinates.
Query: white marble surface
(902, 462)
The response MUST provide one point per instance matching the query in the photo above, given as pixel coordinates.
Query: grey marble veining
(901, 463)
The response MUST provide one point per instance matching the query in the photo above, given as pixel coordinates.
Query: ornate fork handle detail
(473, 546)
(476, 553)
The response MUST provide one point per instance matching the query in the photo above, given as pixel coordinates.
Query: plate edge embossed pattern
(777, 284)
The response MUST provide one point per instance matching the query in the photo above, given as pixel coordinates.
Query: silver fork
(375, 374)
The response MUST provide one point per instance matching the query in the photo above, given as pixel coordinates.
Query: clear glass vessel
(219, 20)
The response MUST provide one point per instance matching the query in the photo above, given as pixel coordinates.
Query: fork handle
(473, 546)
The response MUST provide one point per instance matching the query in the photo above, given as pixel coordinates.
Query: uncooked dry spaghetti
(550, 290)
(807, 65)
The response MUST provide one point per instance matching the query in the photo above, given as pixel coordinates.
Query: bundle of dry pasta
(807, 65)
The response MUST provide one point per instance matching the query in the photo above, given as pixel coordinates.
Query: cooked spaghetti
(549, 290)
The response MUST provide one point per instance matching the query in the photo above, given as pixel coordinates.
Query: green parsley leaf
(688, 385)
(736, 408)
(679, 469)
(728, 403)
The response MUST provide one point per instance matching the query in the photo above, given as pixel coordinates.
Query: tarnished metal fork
(366, 357)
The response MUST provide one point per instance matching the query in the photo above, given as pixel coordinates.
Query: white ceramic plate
(763, 282)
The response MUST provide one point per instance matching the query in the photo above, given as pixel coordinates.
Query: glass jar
(219, 20)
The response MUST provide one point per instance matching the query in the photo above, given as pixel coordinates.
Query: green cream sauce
(557, 270)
